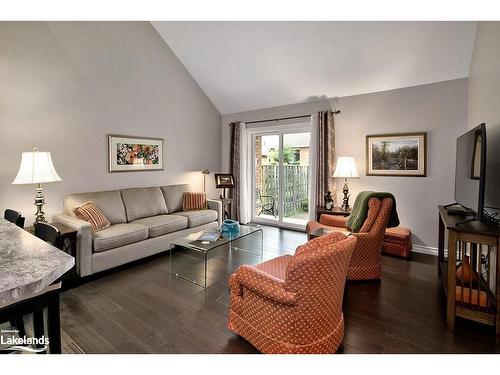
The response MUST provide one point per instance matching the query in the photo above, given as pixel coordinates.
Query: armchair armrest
(83, 241)
(264, 284)
(333, 220)
(215, 204)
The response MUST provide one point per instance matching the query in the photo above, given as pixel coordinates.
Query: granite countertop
(28, 265)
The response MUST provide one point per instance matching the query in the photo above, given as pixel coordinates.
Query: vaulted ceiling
(249, 65)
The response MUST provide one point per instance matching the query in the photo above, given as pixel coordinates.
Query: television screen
(470, 170)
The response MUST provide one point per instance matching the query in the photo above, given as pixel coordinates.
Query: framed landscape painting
(403, 154)
(130, 153)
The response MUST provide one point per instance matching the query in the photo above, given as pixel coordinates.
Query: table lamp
(346, 168)
(205, 173)
(37, 168)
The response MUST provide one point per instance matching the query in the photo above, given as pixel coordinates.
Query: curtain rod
(284, 118)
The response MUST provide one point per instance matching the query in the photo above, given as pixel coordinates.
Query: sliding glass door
(281, 177)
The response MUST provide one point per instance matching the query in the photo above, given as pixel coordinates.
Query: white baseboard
(427, 250)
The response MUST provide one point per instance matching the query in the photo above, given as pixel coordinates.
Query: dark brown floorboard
(143, 309)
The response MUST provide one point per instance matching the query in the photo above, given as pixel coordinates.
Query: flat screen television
(470, 171)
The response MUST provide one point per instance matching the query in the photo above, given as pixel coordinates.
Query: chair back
(378, 215)
(46, 232)
(318, 274)
(380, 224)
(14, 217)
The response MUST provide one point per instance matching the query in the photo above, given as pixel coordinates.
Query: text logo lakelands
(26, 344)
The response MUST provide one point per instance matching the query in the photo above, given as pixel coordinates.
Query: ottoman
(397, 241)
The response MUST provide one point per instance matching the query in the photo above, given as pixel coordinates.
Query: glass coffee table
(201, 262)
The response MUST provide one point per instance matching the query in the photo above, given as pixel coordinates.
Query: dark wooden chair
(46, 232)
(14, 217)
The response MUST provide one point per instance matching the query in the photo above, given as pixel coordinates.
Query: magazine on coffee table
(209, 236)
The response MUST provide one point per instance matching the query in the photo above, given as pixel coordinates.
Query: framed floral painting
(129, 153)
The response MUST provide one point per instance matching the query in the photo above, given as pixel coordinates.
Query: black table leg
(54, 324)
(38, 325)
(19, 324)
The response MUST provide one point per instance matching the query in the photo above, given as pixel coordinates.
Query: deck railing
(295, 187)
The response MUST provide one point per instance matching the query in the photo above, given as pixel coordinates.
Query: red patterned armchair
(365, 262)
(293, 304)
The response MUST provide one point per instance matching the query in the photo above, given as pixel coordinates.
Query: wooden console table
(475, 298)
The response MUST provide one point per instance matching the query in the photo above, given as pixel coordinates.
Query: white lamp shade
(346, 167)
(36, 168)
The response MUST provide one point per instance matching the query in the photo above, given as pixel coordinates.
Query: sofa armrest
(215, 204)
(264, 284)
(83, 241)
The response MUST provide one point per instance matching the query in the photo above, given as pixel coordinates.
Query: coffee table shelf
(192, 260)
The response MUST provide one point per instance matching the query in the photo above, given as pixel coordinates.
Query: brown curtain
(326, 157)
(234, 168)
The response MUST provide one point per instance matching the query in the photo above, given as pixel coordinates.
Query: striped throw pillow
(194, 201)
(89, 211)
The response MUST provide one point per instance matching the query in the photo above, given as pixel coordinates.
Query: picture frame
(224, 180)
(128, 153)
(397, 154)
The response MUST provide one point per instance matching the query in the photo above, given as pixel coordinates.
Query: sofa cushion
(163, 224)
(109, 202)
(118, 235)
(174, 196)
(199, 217)
(143, 202)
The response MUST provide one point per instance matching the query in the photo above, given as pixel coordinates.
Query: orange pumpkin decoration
(465, 272)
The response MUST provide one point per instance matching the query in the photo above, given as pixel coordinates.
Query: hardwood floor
(143, 309)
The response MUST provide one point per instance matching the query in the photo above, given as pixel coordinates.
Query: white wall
(65, 85)
(484, 99)
(439, 108)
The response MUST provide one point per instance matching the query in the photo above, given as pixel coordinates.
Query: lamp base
(39, 202)
(345, 201)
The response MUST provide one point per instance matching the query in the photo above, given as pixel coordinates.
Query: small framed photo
(131, 154)
(402, 154)
(224, 180)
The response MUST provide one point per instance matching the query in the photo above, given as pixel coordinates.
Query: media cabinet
(474, 295)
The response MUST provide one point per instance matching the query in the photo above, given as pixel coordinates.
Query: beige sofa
(144, 221)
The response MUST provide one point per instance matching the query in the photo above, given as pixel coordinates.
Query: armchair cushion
(275, 267)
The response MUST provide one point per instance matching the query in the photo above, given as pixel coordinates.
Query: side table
(226, 207)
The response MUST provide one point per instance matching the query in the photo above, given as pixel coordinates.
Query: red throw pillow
(194, 201)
